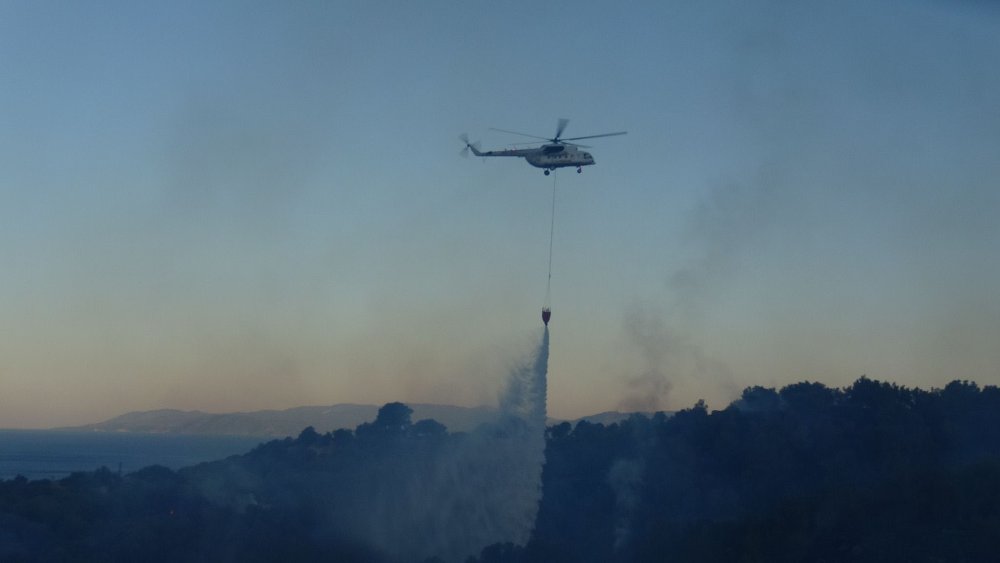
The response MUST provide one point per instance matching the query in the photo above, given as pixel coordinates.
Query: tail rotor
(468, 145)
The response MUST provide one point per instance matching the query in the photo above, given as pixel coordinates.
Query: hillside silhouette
(871, 472)
(277, 423)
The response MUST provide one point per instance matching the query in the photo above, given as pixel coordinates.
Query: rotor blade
(468, 144)
(522, 134)
(596, 136)
(562, 125)
(575, 145)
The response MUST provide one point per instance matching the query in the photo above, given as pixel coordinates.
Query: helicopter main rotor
(560, 127)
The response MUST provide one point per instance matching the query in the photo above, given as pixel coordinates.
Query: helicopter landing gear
(546, 172)
(579, 169)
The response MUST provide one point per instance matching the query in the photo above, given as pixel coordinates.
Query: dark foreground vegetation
(873, 472)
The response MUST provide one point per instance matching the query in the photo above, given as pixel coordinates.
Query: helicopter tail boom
(474, 147)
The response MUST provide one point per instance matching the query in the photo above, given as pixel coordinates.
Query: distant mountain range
(290, 422)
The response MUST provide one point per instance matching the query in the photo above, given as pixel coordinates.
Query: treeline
(871, 472)
(391, 490)
(262, 506)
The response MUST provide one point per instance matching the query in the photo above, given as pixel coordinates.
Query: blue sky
(239, 205)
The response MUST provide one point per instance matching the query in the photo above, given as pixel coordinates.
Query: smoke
(469, 491)
(657, 345)
(625, 478)
(722, 232)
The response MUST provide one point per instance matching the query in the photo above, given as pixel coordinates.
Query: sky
(234, 206)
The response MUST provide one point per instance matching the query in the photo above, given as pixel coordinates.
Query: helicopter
(557, 152)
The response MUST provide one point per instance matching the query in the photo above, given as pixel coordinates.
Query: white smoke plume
(476, 490)
(625, 478)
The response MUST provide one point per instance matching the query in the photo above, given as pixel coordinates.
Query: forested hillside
(872, 472)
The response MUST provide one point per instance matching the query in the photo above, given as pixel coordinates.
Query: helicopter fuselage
(559, 156)
(549, 157)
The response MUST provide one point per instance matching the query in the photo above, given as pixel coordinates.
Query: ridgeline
(871, 472)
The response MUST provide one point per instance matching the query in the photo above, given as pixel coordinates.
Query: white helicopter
(555, 153)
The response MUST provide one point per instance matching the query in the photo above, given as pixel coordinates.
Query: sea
(54, 454)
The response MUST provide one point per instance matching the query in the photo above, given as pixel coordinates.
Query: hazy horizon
(235, 207)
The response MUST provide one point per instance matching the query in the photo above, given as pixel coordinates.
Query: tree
(393, 417)
(428, 428)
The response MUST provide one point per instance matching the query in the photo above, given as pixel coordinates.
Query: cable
(552, 230)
